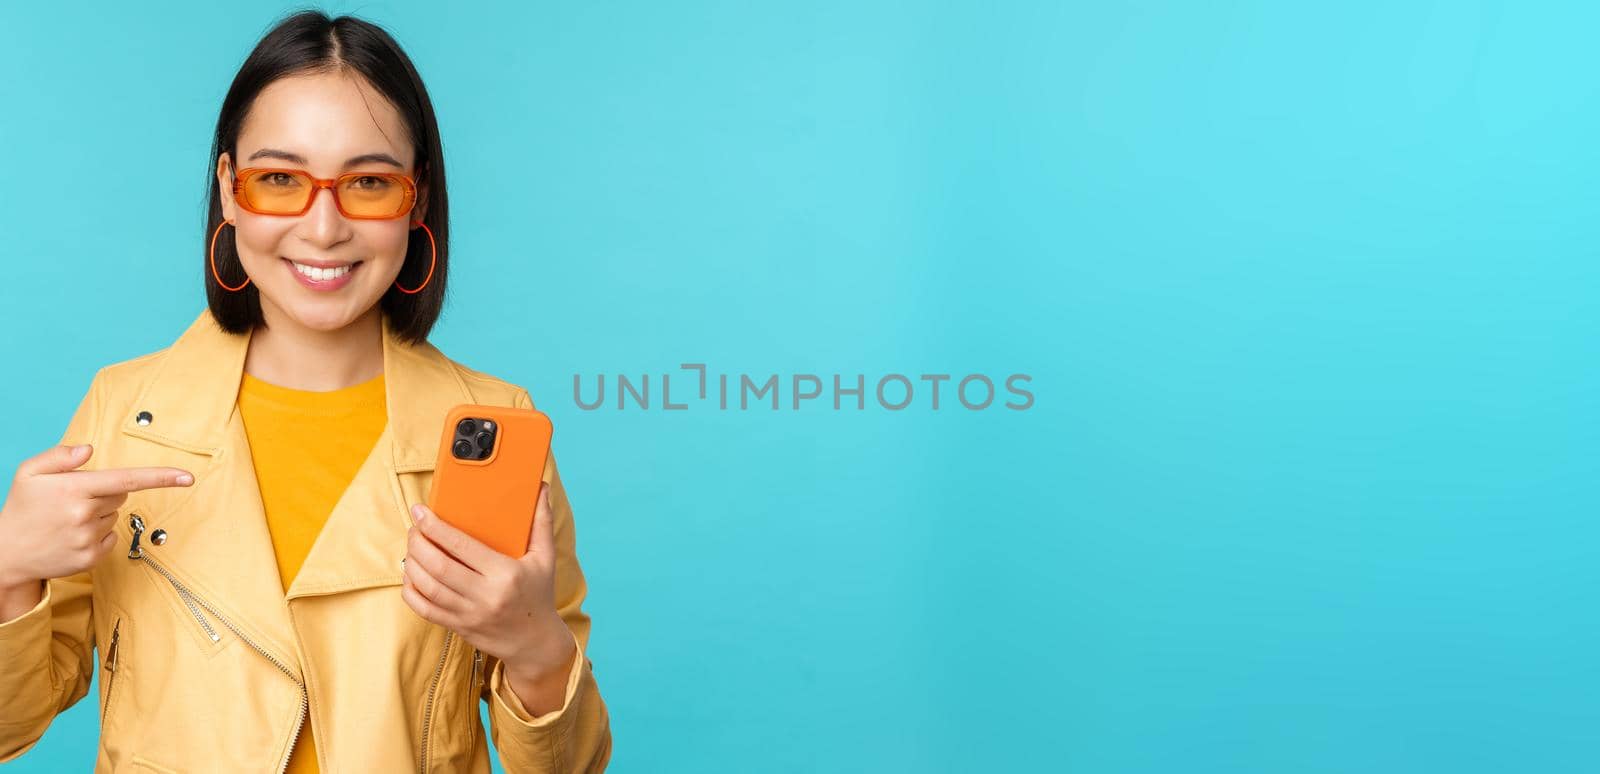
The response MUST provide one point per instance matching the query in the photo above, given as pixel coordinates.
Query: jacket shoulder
(131, 371)
(488, 389)
(120, 382)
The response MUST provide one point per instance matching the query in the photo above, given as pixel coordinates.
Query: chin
(327, 315)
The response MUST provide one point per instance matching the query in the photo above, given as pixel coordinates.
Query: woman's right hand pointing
(57, 519)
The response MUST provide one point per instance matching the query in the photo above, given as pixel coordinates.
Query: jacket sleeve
(576, 737)
(46, 653)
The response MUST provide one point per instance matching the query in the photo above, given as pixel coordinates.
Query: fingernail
(417, 512)
(185, 478)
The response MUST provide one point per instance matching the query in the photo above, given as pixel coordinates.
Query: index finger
(115, 481)
(465, 548)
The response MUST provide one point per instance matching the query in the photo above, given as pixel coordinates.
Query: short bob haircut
(311, 42)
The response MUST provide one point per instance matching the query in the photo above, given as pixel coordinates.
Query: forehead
(326, 118)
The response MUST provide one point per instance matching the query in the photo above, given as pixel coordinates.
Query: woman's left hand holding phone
(503, 606)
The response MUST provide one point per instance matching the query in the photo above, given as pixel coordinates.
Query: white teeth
(322, 275)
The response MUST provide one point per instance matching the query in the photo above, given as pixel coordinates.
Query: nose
(323, 224)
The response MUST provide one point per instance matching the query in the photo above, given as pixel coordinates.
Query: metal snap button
(143, 418)
(159, 537)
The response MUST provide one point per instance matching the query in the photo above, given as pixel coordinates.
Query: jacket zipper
(433, 688)
(136, 522)
(472, 684)
(136, 552)
(111, 668)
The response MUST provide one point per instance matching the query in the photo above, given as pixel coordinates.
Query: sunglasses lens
(373, 196)
(277, 193)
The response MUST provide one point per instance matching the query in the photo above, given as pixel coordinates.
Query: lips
(323, 279)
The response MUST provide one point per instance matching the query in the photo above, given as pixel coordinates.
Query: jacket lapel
(220, 544)
(364, 538)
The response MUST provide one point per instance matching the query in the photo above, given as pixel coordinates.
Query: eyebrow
(273, 153)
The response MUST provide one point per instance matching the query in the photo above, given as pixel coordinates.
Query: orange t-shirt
(307, 446)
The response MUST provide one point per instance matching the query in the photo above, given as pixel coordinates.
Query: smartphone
(486, 480)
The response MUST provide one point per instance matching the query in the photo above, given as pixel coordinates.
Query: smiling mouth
(323, 275)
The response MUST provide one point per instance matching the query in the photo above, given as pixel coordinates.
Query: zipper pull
(477, 666)
(111, 652)
(136, 523)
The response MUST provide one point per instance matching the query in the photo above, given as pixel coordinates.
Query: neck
(289, 354)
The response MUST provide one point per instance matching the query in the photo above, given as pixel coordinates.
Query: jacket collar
(219, 544)
(192, 395)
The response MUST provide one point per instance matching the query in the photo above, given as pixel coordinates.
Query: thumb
(56, 459)
(542, 540)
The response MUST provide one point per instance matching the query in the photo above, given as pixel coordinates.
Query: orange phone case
(493, 499)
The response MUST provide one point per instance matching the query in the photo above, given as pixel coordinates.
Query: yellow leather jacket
(207, 665)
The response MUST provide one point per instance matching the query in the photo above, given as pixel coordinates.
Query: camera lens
(485, 441)
(466, 427)
(463, 449)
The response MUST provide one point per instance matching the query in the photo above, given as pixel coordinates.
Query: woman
(235, 521)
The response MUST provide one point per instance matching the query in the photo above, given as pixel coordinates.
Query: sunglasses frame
(406, 183)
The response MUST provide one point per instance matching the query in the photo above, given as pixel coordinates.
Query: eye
(371, 182)
(278, 178)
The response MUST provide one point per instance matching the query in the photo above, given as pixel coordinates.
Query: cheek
(259, 240)
(385, 243)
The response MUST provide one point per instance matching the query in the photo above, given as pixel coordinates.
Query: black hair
(311, 42)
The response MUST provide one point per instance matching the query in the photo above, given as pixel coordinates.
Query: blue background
(1306, 291)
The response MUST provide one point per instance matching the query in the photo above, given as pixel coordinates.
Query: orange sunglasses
(358, 195)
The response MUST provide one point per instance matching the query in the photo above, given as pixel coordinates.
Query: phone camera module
(474, 439)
